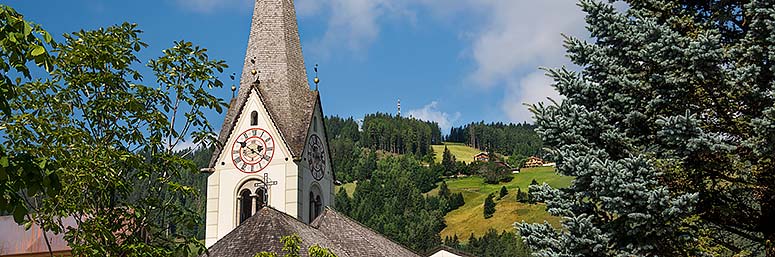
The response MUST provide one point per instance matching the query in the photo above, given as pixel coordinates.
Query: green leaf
(18, 214)
(27, 29)
(42, 164)
(4, 161)
(38, 50)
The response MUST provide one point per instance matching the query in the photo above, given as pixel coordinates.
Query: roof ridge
(329, 209)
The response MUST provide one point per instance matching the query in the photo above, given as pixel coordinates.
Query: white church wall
(222, 215)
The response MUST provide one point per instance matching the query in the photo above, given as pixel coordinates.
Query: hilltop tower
(399, 107)
(273, 147)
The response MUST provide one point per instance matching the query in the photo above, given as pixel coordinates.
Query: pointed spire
(274, 54)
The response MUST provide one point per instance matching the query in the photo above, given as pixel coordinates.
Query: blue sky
(450, 61)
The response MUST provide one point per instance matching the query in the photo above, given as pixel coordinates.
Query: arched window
(312, 215)
(315, 203)
(254, 118)
(260, 198)
(318, 206)
(245, 205)
(251, 198)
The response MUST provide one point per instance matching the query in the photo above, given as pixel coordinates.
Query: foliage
(444, 190)
(292, 246)
(492, 172)
(503, 192)
(523, 197)
(489, 206)
(491, 244)
(22, 173)
(448, 162)
(399, 135)
(21, 42)
(454, 201)
(343, 204)
(404, 215)
(112, 141)
(668, 129)
(512, 139)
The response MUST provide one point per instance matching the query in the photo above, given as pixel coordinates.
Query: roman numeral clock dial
(253, 150)
(316, 157)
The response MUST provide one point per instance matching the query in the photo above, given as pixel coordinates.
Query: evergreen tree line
(491, 244)
(511, 139)
(392, 202)
(353, 152)
(399, 135)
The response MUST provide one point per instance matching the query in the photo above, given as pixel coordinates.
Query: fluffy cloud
(522, 35)
(431, 112)
(531, 89)
(514, 38)
(353, 24)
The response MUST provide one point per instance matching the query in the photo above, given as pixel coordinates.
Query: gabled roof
(355, 239)
(449, 250)
(274, 65)
(345, 237)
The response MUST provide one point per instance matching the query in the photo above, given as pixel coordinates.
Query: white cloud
(513, 39)
(531, 89)
(431, 112)
(520, 36)
(352, 24)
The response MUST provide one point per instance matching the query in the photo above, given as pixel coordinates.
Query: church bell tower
(273, 147)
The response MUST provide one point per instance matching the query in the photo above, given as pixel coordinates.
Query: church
(271, 174)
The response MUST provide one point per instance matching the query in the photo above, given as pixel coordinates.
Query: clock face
(253, 150)
(316, 157)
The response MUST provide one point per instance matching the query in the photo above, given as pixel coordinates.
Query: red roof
(15, 240)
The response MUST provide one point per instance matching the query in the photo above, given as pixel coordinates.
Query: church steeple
(274, 50)
(273, 148)
(274, 66)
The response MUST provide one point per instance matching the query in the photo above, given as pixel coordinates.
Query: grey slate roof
(344, 236)
(274, 65)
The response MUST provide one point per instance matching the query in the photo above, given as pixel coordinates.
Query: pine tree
(668, 129)
(342, 201)
(448, 161)
(489, 206)
(444, 190)
(503, 192)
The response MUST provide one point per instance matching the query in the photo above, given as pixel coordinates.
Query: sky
(449, 61)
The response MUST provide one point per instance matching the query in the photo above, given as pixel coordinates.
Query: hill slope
(461, 151)
(470, 219)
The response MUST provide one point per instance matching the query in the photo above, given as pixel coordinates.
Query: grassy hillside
(461, 151)
(470, 219)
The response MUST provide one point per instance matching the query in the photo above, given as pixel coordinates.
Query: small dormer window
(254, 118)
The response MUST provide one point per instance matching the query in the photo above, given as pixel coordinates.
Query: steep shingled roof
(345, 237)
(274, 65)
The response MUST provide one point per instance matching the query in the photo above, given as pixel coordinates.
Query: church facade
(273, 147)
